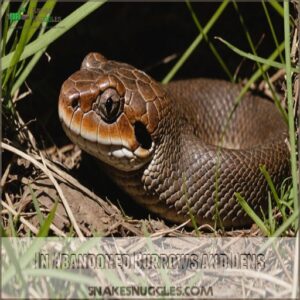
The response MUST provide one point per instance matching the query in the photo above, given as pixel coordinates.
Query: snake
(182, 150)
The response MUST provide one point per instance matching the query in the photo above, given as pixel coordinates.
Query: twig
(23, 220)
(28, 224)
(8, 200)
(62, 175)
(163, 232)
(49, 174)
(5, 174)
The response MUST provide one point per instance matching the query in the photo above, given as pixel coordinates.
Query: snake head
(112, 111)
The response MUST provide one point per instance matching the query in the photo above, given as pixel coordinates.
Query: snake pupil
(109, 106)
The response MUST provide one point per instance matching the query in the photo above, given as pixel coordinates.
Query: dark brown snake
(162, 144)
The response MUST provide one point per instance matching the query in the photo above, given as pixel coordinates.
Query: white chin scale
(124, 159)
(121, 153)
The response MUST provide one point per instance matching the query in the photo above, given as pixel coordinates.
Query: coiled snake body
(166, 145)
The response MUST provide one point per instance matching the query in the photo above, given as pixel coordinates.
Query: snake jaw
(144, 153)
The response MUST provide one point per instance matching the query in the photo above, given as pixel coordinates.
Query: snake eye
(109, 105)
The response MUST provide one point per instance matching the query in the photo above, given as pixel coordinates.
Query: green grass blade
(36, 206)
(260, 72)
(43, 14)
(45, 227)
(246, 31)
(270, 215)
(27, 71)
(26, 258)
(251, 213)
(30, 65)
(4, 34)
(13, 259)
(271, 28)
(11, 223)
(21, 44)
(266, 61)
(292, 136)
(210, 44)
(3, 8)
(273, 190)
(287, 204)
(14, 24)
(266, 78)
(276, 6)
(279, 231)
(196, 42)
(2, 231)
(54, 33)
(286, 198)
(20, 68)
(245, 88)
(294, 216)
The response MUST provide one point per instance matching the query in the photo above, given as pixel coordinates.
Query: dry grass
(30, 174)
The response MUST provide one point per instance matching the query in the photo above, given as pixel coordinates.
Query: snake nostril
(74, 101)
(142, 135)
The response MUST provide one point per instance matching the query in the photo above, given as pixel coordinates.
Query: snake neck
(165, 173)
